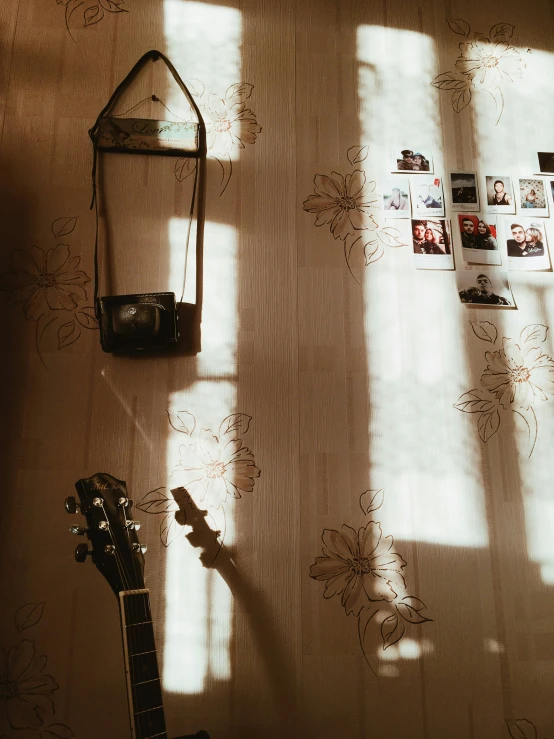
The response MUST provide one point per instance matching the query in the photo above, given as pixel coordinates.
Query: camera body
(137, 323)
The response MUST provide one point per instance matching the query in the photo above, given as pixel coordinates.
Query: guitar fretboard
(141, 665)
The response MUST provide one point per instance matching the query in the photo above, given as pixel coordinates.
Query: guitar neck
(144, 690)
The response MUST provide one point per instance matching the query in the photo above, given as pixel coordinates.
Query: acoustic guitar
(118, 554)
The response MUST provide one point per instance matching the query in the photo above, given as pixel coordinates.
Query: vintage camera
(136, 323)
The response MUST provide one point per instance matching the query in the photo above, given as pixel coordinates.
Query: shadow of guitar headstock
(202, 536)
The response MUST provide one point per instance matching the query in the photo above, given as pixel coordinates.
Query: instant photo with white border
(485, 286)
(499, 188)
(396, 197)
(427, 196)
(526, 243)
(464, 191)
(406, 160)
(478, 237)
(532, 197)
(432, 243)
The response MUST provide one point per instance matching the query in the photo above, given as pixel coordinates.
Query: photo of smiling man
(526, 243)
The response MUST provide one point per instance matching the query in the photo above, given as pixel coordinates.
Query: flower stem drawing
(51, 288)
(363, 568)
(230, 125)
(485, 63)
(211, 468)
(351, 208)
(27, 703)
(516, 376)
(92, 14)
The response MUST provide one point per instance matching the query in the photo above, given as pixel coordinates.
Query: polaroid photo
(487, 286)
(526, 245)
(532, 197)
(546, 162)
(396, 198)
(432, 243)
(465, 191)
(500, 196)
(427, 196)
(411, 160)
(479, 238)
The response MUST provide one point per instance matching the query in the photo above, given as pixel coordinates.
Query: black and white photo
(484, 286)
(464, 191)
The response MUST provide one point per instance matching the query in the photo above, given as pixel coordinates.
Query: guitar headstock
(116, 550)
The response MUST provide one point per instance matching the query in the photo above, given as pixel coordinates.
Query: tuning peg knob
(81, 552)
(133, 525)
(78, 530)
(71, 504)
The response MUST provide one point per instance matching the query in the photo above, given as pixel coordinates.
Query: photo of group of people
(485, 228)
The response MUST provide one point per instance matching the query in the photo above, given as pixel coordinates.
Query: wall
(324, 394)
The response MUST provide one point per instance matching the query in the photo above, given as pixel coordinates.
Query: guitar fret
(147, 696)
(146, 710)
(143, 668)
(149, 723)
(140, 638)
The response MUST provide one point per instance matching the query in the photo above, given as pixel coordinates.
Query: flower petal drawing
(485, 63)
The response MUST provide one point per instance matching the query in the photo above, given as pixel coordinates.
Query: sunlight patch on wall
(204, 43)
(414, 332)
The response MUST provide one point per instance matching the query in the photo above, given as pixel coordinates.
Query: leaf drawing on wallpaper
(92, 14)
(522, 728)
(211, 468)
(230, 125)
(485, 63)
(27, 701)
(363, 568)
(516, 376)
(349, 205)
(28, 615)
(484, 330)
(51, 288)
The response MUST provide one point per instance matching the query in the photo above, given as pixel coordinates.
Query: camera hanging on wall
(146, 321)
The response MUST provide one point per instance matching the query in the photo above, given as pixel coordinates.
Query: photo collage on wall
(498, 221)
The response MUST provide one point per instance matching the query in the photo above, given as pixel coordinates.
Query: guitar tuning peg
(71, 504)
(78, 530)
(142, 548)
(133, 525)
(81, 552)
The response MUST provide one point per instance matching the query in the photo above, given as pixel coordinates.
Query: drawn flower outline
(359, 566)
(26, 693)
(343, 203)
(44, 280)
(516, 377)
(487, 65)
(212, 469)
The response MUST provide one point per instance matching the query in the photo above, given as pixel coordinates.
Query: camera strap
(111, 137)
